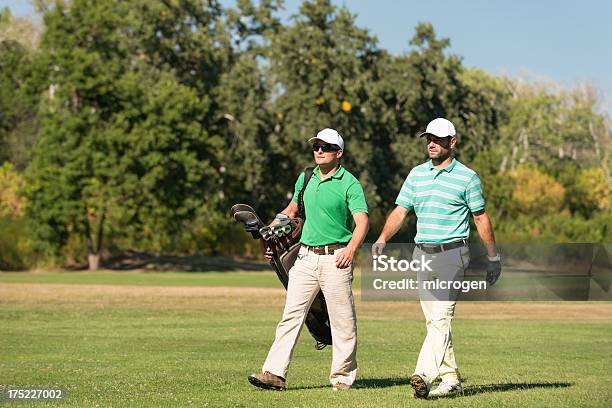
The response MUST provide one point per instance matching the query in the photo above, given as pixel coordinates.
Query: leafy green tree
(20, 88)
(152, 117)
(412, 89)
(245, 158)
(186, 37)
(428, 83)
(252, 26)
(243, 98)
(121, 146)
(320, 67)
(550, 129)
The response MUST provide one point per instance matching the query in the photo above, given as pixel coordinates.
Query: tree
(121, 144)
(550, 129)
(320, 67)
(243, 98)
(427, 83)
(410, 90)
(19, 29)
(20, 87)
(151, 117)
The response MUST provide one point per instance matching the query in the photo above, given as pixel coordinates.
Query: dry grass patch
(72, 296)
(223, 299)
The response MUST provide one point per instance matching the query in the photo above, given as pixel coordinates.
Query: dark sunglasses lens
(325, 147)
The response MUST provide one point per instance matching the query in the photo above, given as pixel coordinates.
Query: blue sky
(566, 41)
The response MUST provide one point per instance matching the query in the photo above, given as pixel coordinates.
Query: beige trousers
(437, 357)
(310, 273)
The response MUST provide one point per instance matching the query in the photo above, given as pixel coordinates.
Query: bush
(535, 193)
(214, 233)
(593, 190)
(556, 228)
(12, 203)
(16, 251)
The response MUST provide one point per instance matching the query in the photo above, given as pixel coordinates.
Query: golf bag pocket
(295, 252)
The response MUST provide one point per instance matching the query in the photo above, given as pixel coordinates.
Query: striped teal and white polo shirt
(442, 200)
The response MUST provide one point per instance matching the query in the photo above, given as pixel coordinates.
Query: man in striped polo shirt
(443, 193)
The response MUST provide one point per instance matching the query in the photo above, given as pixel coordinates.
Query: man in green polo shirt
(334, 202)
(443, 193)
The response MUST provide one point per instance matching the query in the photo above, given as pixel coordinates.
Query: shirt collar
(448, 168)
(337, 174)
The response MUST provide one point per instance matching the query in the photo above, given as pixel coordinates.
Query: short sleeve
(474, 196)
(298, 186)
(405, 198)
(355, 198)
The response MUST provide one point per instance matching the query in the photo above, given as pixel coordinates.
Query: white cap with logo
(330, 136)
(440, 127)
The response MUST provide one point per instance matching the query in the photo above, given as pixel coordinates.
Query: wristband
(495, 258)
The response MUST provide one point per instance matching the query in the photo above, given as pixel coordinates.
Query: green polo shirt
(330, 205)
(442, 200)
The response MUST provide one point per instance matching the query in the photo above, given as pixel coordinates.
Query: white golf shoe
(447, 390)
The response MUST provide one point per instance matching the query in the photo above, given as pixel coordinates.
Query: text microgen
(384, 263)
(433, 285)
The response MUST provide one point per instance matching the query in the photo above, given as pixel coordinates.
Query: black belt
(437, 248)
(325, 249)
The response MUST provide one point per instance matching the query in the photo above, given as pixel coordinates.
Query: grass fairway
(188, 339)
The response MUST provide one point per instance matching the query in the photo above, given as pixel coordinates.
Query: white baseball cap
(440, 127)
(330, 136)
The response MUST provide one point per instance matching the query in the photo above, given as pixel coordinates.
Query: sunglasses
(326, 147)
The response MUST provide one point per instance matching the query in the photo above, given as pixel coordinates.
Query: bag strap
(301, 210)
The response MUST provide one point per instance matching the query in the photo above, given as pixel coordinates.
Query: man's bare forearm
(291, 210)
(360, 231)
(393, 224)
(485, 231)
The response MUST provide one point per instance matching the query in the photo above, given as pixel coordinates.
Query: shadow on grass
(380, 382)
(467, 391)
(364, 383)
(483, 389)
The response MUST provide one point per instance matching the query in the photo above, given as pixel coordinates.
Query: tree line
(136, 125)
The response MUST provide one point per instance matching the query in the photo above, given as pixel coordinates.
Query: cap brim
(433, 134)
(312, 139)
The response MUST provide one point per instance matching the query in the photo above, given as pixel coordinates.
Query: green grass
(197, 352)
(236, 279)
(246, 279)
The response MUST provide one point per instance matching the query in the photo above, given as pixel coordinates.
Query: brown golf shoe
(420, 386)
(267, 381)
(341, 387)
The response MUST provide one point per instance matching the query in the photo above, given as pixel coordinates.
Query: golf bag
(285, 244)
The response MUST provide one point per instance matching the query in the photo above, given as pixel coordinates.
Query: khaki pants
(437, 358)
(310, 273)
